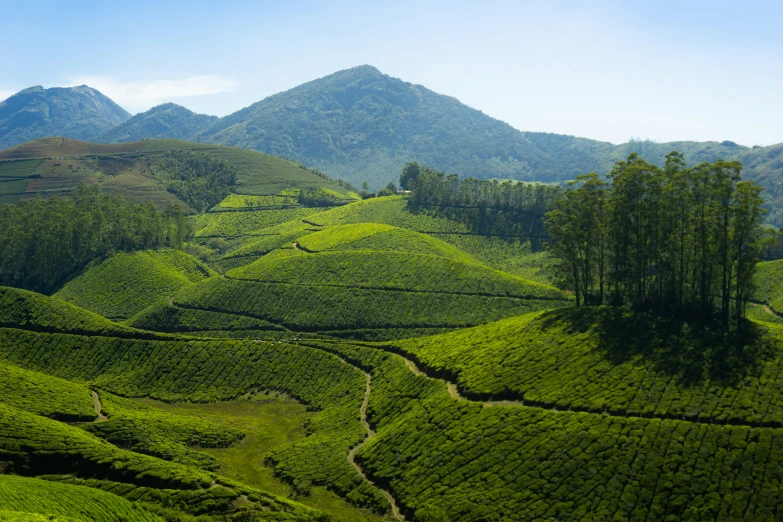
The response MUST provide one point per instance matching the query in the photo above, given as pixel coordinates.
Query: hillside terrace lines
(305, 328)
(514, 400)
(392, 288)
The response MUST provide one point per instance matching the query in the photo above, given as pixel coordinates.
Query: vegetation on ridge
(677, 239)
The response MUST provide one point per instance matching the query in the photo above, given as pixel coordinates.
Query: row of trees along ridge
(676, 239)
(486, 207)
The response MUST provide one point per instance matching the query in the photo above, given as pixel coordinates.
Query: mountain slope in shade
(74, 112)
(164, 121)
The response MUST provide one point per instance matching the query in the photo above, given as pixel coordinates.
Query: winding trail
(96, 402)
(455, 394)
(454, 391)
(370, 434)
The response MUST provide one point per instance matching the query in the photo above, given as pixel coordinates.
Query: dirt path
(96, 402)
(454, 391)
(370, 434)
(296, 246)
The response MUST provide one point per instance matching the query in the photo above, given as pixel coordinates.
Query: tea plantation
(214, 371)
(35, 500)
(357, 279)
(438, 373)
(769, 285)
(593, 360)
(526, 463)
(127, 283)
(31, 311)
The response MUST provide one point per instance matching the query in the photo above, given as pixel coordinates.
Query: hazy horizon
(601, 70)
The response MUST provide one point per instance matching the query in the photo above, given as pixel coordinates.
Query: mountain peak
(167, 120)
(81, 113)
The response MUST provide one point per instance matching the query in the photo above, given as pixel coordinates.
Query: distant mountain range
(362, 125)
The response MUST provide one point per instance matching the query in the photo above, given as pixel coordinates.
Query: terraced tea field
(368, 362)
(365, 280)
(127, 283)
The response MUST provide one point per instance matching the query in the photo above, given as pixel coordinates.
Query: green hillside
(490, 461)
(710, 441)
(360, 124)
(45, 395)
(519, 255)
(368, 280)
(167, 120)
(769, 285)
(27, 310)
(213, 371)
(593, 360)
(34, 500)
(128, 282)
(57, 165)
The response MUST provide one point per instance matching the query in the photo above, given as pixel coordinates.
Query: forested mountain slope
(76, 112)
(361, 125)
(163, 121)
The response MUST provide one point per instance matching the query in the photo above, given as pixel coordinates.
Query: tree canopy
(676, 239)
(46, 240)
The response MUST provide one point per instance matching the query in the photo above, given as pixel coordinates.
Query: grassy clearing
(206, 371)
(268, 421)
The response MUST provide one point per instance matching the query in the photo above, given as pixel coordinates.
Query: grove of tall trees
(675, 239)
(46, 240)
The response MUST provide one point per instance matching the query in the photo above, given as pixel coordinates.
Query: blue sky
(607, 70)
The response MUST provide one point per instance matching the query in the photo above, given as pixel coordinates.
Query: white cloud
(141, 95)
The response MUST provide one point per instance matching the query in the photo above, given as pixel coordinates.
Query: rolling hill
(520, 255)
(76, 112)
(129, 282)
(368, 281)
(57, 165)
